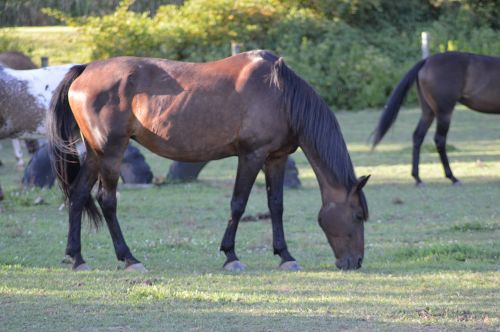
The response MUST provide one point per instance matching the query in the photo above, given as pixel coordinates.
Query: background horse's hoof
(137, 267)
(82, 267)
(235, 266)
(457, 183)
(67, 260)
(290, 266)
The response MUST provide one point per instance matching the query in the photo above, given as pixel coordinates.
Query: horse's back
(471, 79)
(16, 60)
(184, 111)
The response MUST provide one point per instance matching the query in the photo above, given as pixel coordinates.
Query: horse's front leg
(248, 167)
(275, 170)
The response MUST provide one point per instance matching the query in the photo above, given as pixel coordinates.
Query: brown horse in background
(16, 60)
(250, 105)
(442, 81)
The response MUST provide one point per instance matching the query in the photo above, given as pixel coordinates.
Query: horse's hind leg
(275, 172)
(78, 197)
(443, 125)
(248, 168)
(418, 137)
(109, 174)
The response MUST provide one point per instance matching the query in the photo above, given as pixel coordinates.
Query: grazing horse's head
(342, 223)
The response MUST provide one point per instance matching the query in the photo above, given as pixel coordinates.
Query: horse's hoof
(290, 266)
(67, 260)
(137, 267)
(420, 185)
(457, 183)
(235, 266)
(82, 267)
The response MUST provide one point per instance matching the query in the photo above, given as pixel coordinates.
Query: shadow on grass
(223, 304)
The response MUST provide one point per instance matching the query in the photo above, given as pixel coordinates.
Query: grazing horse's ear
(362, 182)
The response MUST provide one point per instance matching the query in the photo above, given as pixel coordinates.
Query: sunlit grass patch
(431, 254)
(475, 227)
(445, 252)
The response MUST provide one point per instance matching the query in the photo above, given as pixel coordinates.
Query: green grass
(431, 263)
(432, 254)
(61, 44)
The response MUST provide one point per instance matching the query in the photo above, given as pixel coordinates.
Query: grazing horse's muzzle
(349, 263)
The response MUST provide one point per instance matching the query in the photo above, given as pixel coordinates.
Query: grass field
(431, 263)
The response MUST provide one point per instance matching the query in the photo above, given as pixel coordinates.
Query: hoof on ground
(235, 266)
(290, 266)
(82, 267)
(457, 183)
(67, 260)
(137, 267)
(420, 185)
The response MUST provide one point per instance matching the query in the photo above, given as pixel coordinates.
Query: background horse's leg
(109, 174)
(443, 125)
(418, 137)
(248, 168)
(79, 195)
(18, 152)
(275, 173)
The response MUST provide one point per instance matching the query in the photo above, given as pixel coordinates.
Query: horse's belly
(185, 148)
(188, 127)
(484, 103)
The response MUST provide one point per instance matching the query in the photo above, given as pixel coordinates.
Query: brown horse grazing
(442, 81)
(250, 105)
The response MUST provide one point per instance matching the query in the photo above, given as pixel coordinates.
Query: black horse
(443, 80)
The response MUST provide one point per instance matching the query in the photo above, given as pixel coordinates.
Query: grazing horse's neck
(330, 188)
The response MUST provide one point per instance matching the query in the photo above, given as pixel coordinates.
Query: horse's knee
(106, 200)
(237, 209)
(276, 206)
(417, 138)
(440, 142)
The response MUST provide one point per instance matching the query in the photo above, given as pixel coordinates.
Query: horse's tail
(393, 105)
(62, 132)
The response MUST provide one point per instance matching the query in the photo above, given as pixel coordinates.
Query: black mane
(311, 119)
(315, 124)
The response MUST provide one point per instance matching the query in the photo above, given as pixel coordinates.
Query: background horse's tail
(62, 132)
(393, 105)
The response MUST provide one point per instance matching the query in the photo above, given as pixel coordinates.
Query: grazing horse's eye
(358, 216)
